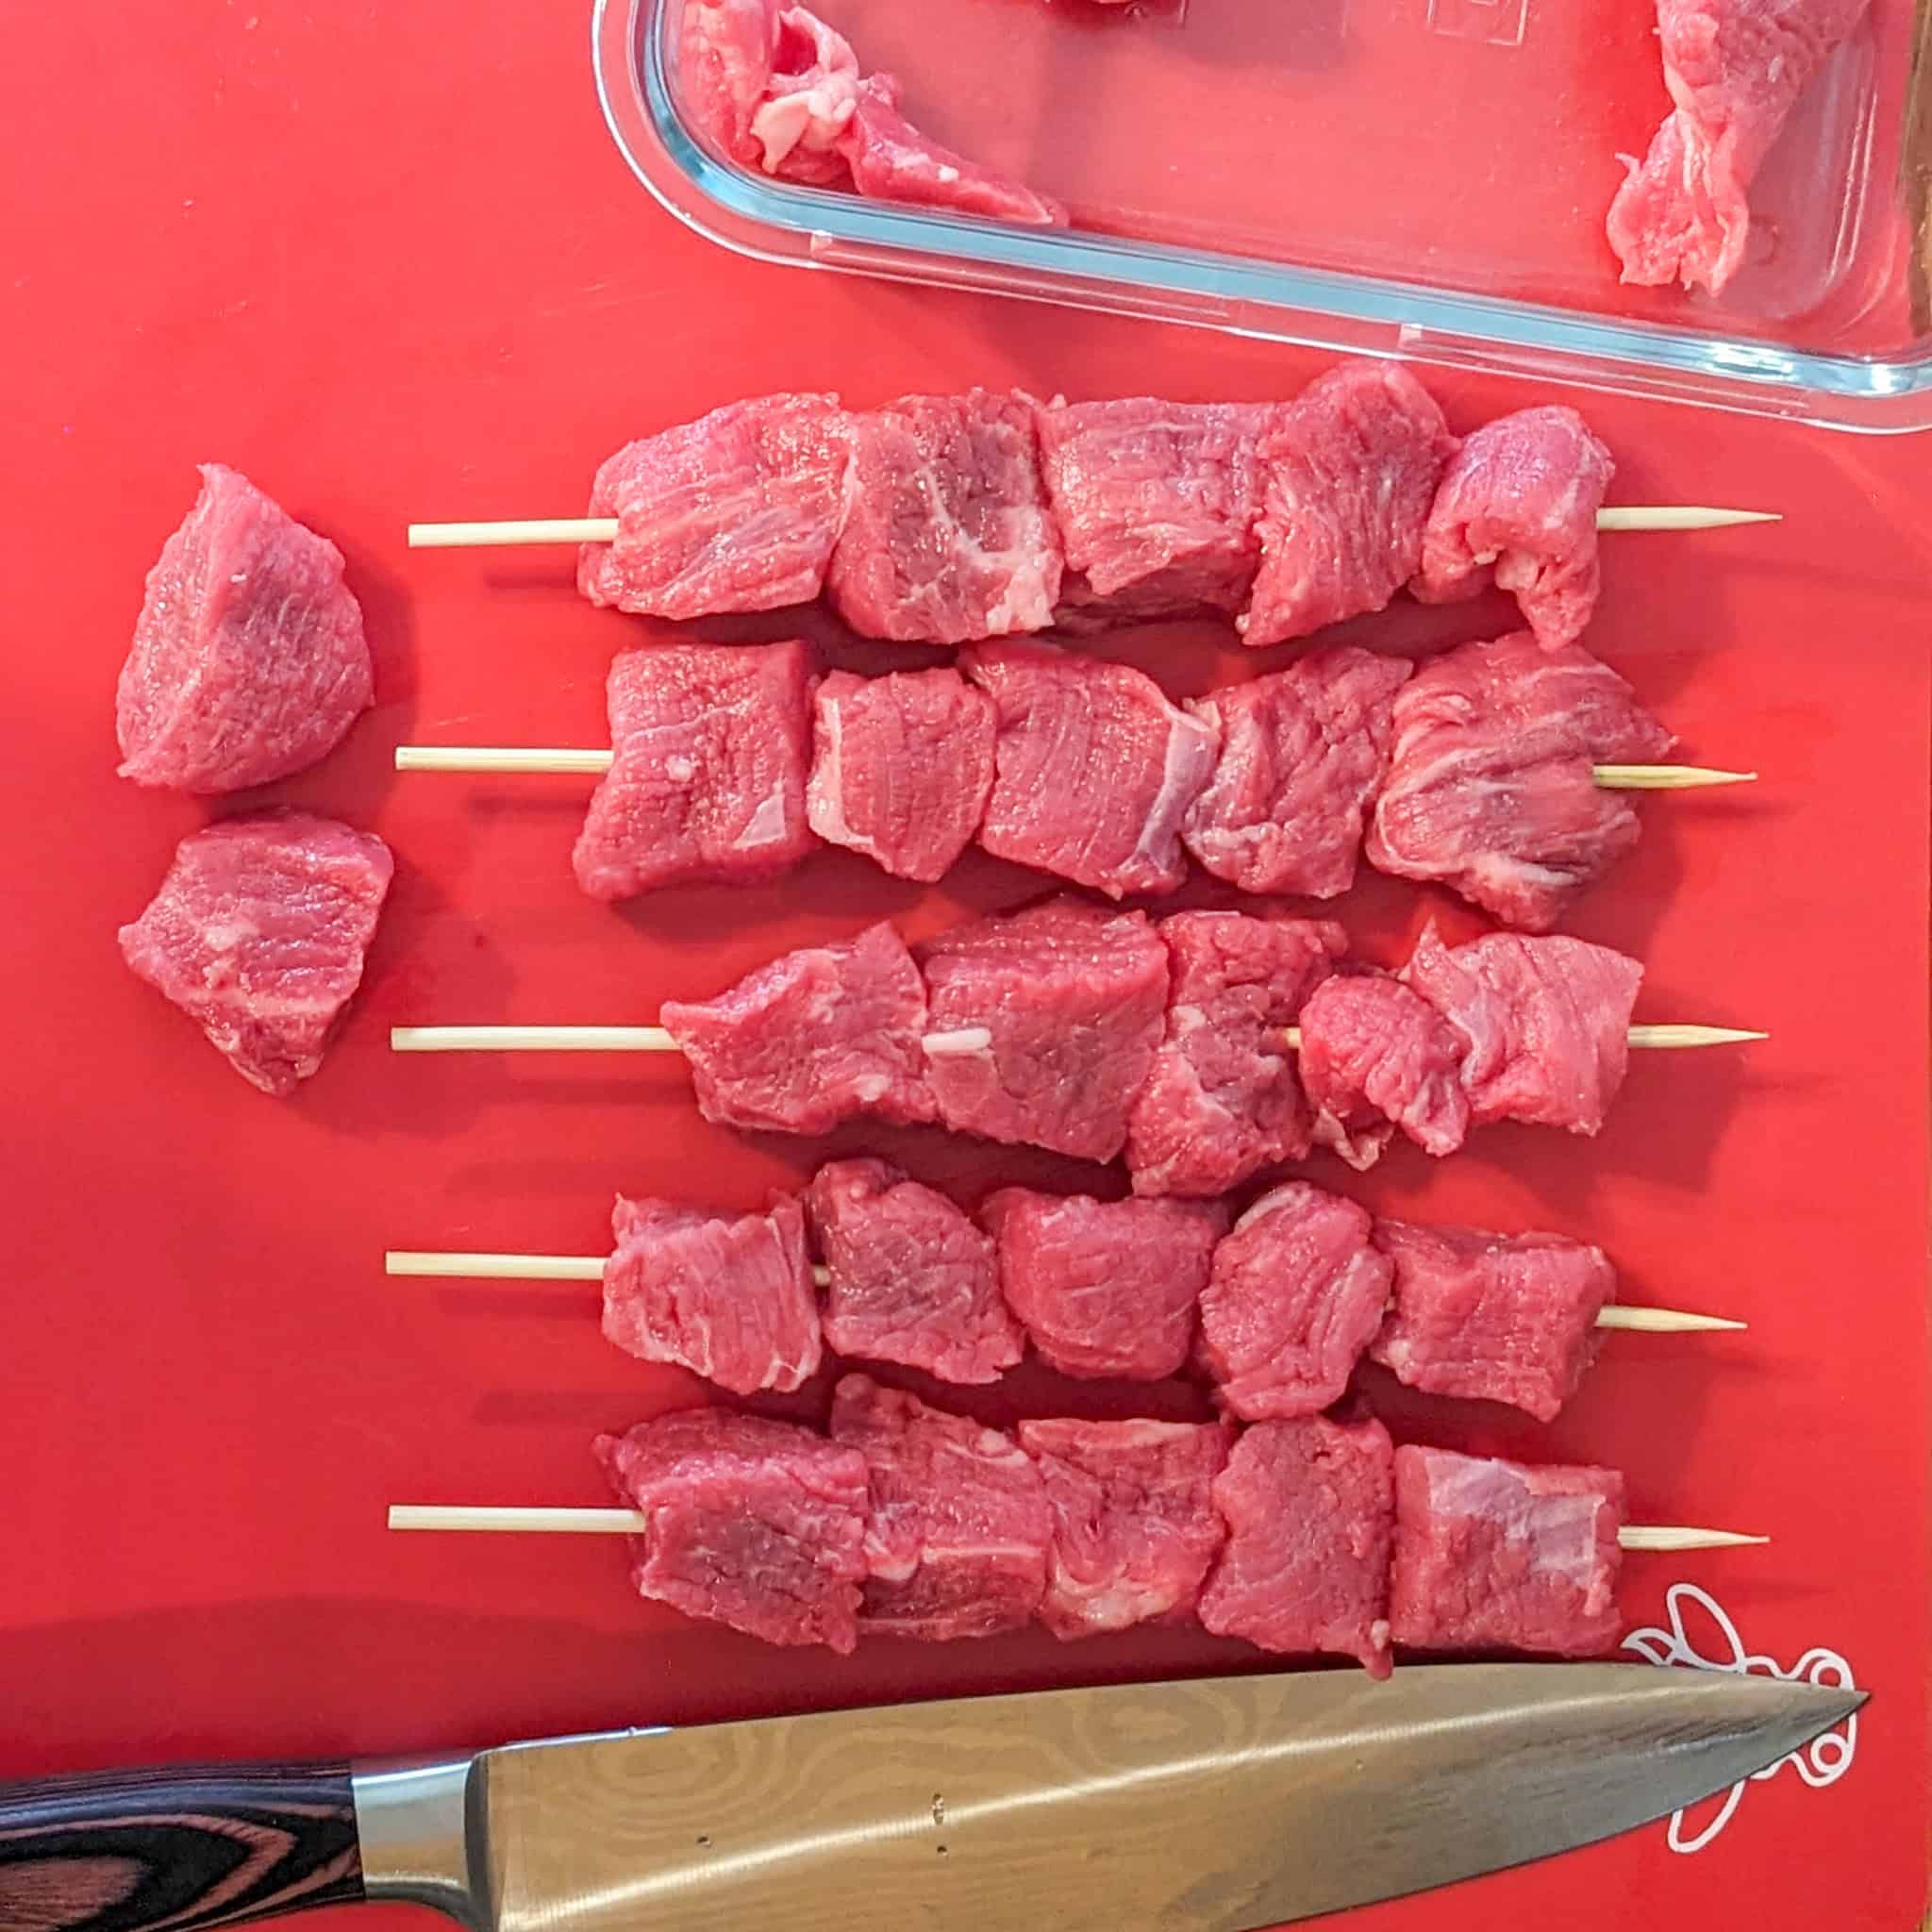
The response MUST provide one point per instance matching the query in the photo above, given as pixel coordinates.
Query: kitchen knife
(1208, 1805)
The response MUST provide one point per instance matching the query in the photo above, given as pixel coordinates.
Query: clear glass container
(1426, 177)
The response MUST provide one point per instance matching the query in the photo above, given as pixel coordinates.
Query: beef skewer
(1278, 1311)
(1317, 1534)
(1490, 769)
(571, 1520)
(948, 520)
(449, 1264)
(534, 532)
(1089, 1033)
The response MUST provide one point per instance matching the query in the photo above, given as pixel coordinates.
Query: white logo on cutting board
(1822, 1763)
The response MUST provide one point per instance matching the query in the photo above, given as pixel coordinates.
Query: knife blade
(1213, 1804)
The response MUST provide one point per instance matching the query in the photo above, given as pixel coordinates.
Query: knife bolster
(417, 1841)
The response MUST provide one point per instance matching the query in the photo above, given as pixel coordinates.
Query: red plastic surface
(387, 262)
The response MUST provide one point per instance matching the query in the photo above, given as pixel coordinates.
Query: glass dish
(1426, 177)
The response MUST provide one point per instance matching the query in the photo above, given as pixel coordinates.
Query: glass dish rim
(789, 224)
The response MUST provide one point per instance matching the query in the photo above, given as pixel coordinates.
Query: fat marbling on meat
(960, 1531)
(945, 536)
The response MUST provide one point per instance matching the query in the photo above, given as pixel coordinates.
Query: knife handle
(184, 1848)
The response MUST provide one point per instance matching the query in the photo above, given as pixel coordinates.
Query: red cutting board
(386, 261)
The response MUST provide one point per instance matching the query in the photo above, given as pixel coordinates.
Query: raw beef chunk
(1297, 1293)
(711, 744)
(753, 1524)
(1493, 1317)
(1377, 1056)
(1302, 751)
(959, 1532)
(736, 511)
(814, 1038)
(1310, 1509)
(1134, 1523)
(259, 933)
(1155, 504)
(901, 767)
(248, 660)
(912, 1279)
(946, 537)
(1351, 468)
(1070, 999)
(1105, 1288)
(1094, 769)
(1546, 1022)
(1497, 1555)
(1491, 787)
(1517, 507)
(727, 1297)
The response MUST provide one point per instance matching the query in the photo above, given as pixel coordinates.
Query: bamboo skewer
(532, 759)
(433, 1264)
(967, 1039)
(517, 531)
(557, 1522)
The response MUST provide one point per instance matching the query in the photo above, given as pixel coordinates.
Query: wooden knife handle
(186, 1848)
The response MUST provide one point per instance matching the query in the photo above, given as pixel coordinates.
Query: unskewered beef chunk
(1735, 70)
(259, 934)
(248, 661)
(893, 160)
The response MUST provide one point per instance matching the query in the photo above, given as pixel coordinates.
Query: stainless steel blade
(1210, 1806)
